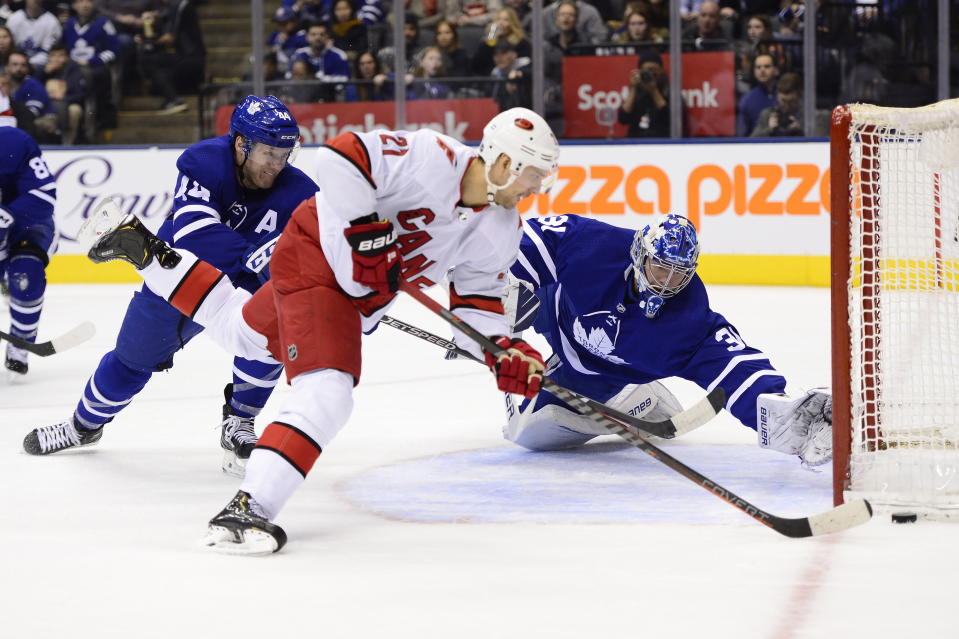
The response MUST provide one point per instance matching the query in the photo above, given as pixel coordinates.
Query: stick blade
(697, 415)
(852, 513)
(73, 337)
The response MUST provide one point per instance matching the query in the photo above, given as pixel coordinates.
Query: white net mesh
(904, 306)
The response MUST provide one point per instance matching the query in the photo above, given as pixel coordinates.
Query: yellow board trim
(74, 269)
(763, 270)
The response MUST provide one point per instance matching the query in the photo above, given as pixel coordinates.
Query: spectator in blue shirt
(92, 41)
(288, 36)
(28, 90)
(330, 63)
(761, 97)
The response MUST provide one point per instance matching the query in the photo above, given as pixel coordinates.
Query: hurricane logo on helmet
(665, 256)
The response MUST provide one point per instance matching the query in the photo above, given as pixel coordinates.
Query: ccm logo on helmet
(523, 123)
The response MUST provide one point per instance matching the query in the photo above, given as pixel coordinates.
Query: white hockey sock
(163, 281)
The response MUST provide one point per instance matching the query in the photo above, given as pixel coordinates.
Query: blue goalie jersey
(594, 320)
(28, 191)
(217, 219)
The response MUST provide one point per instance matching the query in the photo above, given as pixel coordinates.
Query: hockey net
(895, 297)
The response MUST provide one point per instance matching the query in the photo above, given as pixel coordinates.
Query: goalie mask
(527, 140)
(665, 257)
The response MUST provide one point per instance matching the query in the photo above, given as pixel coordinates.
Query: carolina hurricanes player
(391, 204)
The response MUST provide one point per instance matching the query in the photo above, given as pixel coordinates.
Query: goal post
(894, 180)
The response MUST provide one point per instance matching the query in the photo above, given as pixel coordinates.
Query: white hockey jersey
(414, 180)
(35, 37)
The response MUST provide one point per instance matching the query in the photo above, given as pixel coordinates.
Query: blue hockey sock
(27, 281)
(108, 391)
(253, 382)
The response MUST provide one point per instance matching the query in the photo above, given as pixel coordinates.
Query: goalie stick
(852, 513)
(679, 424)
(71, 338)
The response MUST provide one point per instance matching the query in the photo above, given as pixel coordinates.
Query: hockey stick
(71, 338)
(679, 424)
(852, 513)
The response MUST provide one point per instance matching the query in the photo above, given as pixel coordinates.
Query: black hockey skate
(241, 529)
(16, 360)
(237, 438)
(62, 436)
(113, 235)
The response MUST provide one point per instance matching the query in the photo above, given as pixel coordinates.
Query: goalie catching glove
(376, 260)
(797, 425)
(519, 370)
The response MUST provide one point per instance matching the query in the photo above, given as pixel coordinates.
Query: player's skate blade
(59, 437)
(233, 465)
(250, 542)
(109, 234)
(241, 529)
(16, 361)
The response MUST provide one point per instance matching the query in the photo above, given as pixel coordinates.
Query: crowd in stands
(64, 65)
(452, 44)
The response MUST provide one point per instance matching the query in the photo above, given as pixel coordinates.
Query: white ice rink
(420, 521)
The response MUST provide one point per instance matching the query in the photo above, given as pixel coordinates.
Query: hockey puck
(904, 518)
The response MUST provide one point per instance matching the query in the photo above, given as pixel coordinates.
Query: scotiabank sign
(459, 119)
(595, 87)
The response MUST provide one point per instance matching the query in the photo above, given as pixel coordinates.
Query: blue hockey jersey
(34, 96)
(331, 65)
(217, 219)
(28, 191)
(594, 320)
(94, 42)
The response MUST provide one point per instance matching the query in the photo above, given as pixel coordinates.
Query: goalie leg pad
(797, 425)
(548, 424)
(652, 402)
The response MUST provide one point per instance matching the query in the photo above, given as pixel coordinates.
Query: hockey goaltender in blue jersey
(597, 323)
(623, 309)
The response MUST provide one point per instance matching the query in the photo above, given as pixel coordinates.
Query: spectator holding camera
(761, 97)
(785, 118)
(646, 107)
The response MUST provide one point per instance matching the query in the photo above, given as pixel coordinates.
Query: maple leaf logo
(596, 341)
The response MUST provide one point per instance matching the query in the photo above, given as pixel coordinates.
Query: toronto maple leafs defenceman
(622, 309)
(28, 235)
(232, 198)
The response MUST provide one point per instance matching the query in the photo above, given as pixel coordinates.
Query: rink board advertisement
(459, 119)
(595, 88)
(762, 209)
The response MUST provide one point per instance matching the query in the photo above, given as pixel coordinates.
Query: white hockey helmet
(526, 139)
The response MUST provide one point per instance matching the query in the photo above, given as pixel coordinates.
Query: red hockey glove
(519, 370)
(376, 260)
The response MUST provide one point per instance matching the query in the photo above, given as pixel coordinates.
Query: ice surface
(420, 521)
